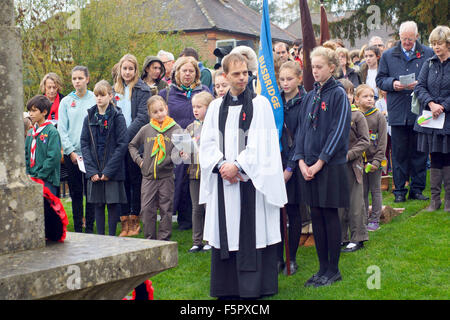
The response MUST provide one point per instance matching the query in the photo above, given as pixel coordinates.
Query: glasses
(379, 45)
(407, 39)
(164, 62)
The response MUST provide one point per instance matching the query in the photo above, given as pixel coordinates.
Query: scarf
(53, 114)
(36, 132)
(188, 91)
(246, 255)
(317, 99)
(159, 146)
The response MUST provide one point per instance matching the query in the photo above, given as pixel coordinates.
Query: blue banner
(267, 83)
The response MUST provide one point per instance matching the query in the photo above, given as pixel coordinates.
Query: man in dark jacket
(405, 58)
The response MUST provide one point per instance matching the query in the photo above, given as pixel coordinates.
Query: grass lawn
(411, 254)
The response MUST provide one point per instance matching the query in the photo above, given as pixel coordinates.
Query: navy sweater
(324, 125)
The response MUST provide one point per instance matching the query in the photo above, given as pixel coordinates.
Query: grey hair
(165, 53)
(375, 38)
(408, 25)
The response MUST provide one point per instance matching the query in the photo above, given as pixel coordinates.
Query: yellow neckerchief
(159, 146)
(354, 108)
(370, 111)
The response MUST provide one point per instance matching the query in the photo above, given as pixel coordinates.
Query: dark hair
(82, 69)
(189, 52)
(298, 42)
(375, 49)
(39, 102)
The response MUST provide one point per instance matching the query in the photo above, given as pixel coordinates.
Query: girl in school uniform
(321, 151)
(290, 78)
(103, 145)
(131, 94)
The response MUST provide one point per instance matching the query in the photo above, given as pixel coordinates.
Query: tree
(96, 34)
(426, 13)
(274, 9)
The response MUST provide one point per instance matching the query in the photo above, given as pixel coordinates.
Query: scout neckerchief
(372, 136)
(370, 111)
(36, 132)
(318, 103)
(354, 108)
(159, 146)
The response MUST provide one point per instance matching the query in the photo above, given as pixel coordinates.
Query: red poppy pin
(243, 116)
(324, 106)
(105, 123)
(73, 104)
(117, 98)
(418, 54)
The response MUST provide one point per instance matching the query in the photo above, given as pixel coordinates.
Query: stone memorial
(85, 266)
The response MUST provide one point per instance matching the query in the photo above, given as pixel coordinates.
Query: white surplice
(260, 160)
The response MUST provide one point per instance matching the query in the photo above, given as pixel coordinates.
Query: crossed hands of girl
(309, 172)
(96, 178)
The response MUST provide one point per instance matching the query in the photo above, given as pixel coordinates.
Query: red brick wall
(205, 43)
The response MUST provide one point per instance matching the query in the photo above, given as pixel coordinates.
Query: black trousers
(294, 220)
(182, 198)
(327, 237)
(77, 188)
(407, 162)
(133, 181)
(113, 217)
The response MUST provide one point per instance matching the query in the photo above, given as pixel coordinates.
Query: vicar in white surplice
(243, 188)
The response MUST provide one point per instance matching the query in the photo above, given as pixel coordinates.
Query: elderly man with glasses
(378, 42)
(168, 61)
(405, 58)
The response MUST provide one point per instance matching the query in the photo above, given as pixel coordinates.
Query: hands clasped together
(309, 172)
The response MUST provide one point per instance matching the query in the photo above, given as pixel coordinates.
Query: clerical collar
(235, 101)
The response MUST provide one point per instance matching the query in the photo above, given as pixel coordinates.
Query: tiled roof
(384, 32)
(221, 15)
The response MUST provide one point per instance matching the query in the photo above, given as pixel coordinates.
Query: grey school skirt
(106, 192)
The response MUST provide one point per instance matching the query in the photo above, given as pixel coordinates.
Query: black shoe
(417, 196)
(184, 227)
(280, 266)
(345, 243)
(400, 198)
(356, 246)
(293, 268)
(312, 281)
(325, 281)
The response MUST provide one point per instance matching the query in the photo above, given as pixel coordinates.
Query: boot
(435, 187)
(134, 226)
(446, 178)
(125, 221)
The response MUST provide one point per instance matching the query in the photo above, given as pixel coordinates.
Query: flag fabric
(267, 83)
(309, 43)
(324, 30)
